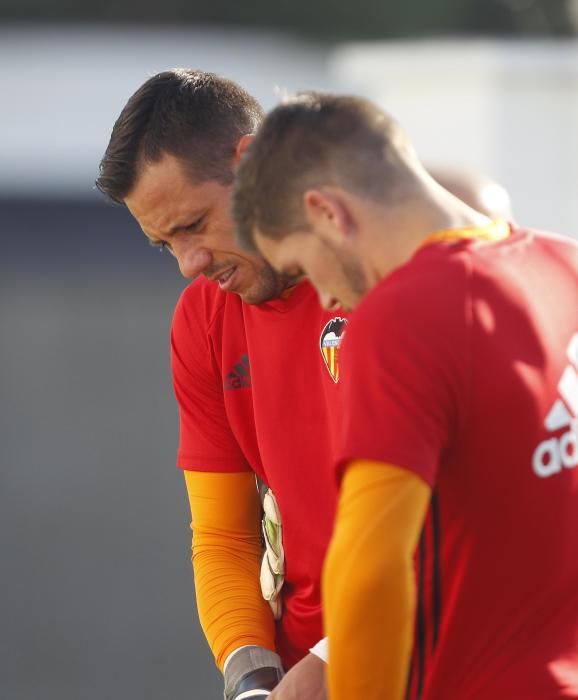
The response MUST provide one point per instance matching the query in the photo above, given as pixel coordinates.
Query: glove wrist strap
(252, 668)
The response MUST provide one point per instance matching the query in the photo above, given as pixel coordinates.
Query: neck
(394, 233)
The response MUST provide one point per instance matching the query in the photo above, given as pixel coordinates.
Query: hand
(305, 681)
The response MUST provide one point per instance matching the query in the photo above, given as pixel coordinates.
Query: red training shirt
(462, 367)
(256, 388)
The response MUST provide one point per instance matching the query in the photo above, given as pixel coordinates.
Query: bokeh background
(96, 587)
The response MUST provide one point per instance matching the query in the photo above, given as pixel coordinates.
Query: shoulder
(553, 242)
(430, 288)
(201, 300)
(200, 305)
(526, 241)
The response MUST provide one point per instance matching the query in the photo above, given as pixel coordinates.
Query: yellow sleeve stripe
(492, 232)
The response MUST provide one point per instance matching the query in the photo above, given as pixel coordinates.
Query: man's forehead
(164, 197)
(160, 177)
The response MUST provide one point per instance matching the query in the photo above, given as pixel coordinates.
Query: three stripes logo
(330, 343)
(561, 451)
(240, 376)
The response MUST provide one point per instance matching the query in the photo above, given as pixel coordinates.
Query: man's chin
(258, 296)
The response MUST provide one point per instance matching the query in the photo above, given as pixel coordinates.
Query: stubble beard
(268, 285)
(352, 275)
(356, 280)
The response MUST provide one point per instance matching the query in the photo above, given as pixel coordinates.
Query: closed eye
(196, 225)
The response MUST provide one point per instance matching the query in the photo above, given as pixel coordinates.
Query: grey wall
(96, 593)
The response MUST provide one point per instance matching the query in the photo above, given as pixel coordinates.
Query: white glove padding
(273, 564)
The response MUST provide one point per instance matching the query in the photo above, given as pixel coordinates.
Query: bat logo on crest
(330, 343)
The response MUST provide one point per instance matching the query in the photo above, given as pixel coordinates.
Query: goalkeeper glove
(251, 673)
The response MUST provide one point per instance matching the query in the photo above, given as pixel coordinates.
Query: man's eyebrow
(191, 218)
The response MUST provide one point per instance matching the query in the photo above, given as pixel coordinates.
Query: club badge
(329, 344)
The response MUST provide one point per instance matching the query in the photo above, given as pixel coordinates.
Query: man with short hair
(256, 377)
(255, 374)
(460, 392)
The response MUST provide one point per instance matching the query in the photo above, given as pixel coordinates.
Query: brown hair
(196, 116)
(313, 140)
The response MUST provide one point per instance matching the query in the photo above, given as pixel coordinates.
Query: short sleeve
(206, 441)
(405, 360)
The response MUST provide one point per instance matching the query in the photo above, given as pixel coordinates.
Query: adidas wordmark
(556, 453)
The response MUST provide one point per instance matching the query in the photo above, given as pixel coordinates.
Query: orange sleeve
(227, 551)
(368, 581)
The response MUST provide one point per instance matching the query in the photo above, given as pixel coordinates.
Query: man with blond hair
(452, 571)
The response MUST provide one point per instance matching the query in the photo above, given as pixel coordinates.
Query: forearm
(368, 659)
(368, 582)
(231, 608)
(227, 553)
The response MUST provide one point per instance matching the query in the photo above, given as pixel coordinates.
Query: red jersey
(461, 366)
(257, 389)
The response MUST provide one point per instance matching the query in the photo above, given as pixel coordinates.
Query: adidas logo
(553, 454)
(240, 376)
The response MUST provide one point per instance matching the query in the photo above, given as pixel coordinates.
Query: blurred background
(96, 593)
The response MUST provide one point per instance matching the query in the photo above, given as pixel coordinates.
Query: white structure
(61, 90)
(509, 109)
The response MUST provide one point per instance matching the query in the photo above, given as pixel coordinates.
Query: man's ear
(241, 148)
(327, 214)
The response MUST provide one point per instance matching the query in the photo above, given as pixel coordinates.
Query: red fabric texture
(452, 365)
(275, 413)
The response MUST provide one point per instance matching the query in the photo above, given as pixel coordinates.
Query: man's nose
(193, 261)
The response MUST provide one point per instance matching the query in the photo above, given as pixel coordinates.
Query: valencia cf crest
(329, 344)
